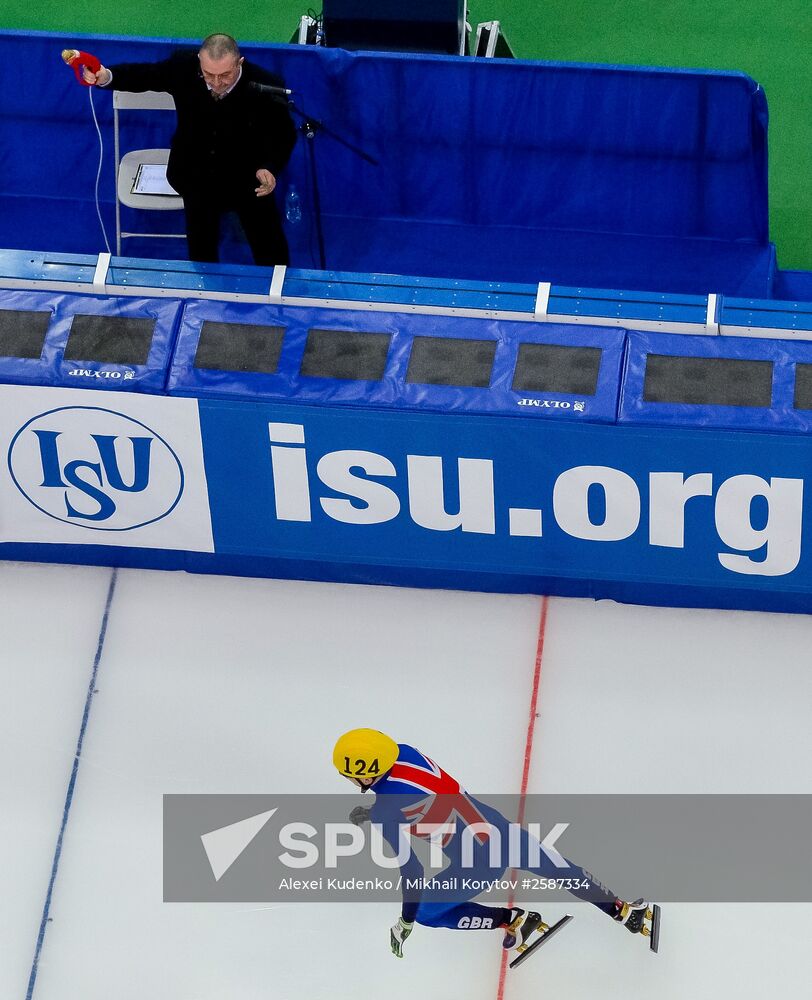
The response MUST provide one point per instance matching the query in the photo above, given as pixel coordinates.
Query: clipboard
(150, 179)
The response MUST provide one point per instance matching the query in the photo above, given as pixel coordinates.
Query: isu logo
(95, 468)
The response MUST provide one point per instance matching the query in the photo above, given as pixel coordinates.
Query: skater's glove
(359, 815)
(398, 934)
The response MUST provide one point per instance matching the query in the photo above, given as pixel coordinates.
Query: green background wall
(772, 41)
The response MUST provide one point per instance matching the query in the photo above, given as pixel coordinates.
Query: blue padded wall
(89, 341)
(715, 382)
(397, 385)
(509, 170)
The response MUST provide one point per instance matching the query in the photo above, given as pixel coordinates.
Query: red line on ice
(528, 755)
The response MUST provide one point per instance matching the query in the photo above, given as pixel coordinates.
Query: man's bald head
(219, 47)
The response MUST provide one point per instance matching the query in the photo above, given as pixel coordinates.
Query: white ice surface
(49, 623)
(226, 685)
(645, 700)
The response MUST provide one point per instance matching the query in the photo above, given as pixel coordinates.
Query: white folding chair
(128, 166)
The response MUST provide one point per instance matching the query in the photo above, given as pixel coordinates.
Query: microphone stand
(310, 128)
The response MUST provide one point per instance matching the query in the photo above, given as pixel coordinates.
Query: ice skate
(521, 928)
(640, 917)
(534, 938)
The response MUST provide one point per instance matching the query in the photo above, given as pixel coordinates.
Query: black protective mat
(22, 332)
(557, 368)
(345, 354)
(110, 340)
(803, 387)
(451, 361)
(708, 381)
(239, 347)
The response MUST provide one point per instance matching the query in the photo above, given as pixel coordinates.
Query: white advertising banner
(84, 467)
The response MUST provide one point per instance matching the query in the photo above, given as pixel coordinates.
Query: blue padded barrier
(21, 267)
(549, 506)
(675, 365)
(186, 278)
(688, 265)
(135, 275)
(663, 312)
(407, 291)
(375, 495)
(88, 341)
(130, 275)
(394, 389)
(793, 285)
(674, 593)
(281, 473)
(768, 318)
(627, 177)
(666, 312)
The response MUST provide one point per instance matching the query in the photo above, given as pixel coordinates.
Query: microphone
(77, 59)
(265, 88)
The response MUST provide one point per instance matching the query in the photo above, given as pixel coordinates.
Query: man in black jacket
(230, 145)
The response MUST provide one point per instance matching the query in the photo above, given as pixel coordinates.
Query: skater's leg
(464, 916)
(636, 917)
(579, 882)
(518, 925)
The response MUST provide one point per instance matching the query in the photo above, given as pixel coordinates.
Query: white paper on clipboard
(150, 178)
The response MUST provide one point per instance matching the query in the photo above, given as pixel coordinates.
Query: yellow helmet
(364, 753)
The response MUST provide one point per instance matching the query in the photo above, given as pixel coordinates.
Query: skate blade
(654, 938)
(545, 937)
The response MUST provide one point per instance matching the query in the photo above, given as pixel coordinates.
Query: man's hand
(359, 815)
(398, 934)
(100, 79)
(267, 182)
